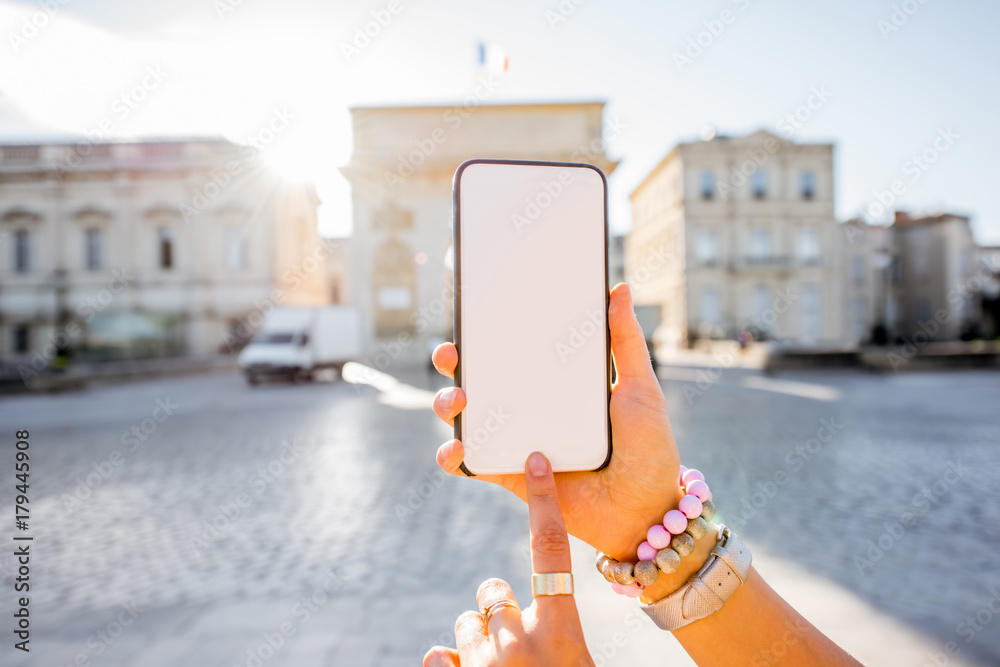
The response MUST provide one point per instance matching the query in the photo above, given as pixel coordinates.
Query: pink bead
(680, 478)
(632, 591)
(647, 551)
(691, 506)
(700, 489)
(675, 522)
(658, 537)
(691, 475)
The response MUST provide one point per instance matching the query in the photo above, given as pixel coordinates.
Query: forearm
(755, 627)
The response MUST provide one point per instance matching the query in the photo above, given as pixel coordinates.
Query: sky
(886, 78)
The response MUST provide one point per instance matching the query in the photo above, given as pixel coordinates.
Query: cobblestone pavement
(197, 521)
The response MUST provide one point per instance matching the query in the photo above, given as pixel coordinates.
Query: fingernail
(447, 398)
(538, 465)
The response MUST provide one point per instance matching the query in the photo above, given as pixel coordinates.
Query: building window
(759, 184)
(165, 243)
(761, 304)
(22, 251)
(22, 339)
(924, 309)
(707, 246)
(236, 249)
(162, 149)
(711, 311)
(808, 184)
(760, 244)
(394, 288)
(20, 152)
(808, 246)
(860, 318)
(858, 269)
(920, 264)
(94, 248)
(707, 184)
(810, 314)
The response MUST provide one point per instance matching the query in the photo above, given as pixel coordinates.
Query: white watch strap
(707, 591)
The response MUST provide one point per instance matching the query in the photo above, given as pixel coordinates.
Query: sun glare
(293, 162)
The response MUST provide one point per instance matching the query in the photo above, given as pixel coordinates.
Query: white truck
(295, 342)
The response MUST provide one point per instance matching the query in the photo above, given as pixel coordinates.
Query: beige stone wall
(205, 194)
(669, 206)
(939, 259)
(401, 178)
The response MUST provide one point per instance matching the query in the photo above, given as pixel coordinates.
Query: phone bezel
(457, 250)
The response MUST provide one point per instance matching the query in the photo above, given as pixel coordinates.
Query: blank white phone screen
(532, 294)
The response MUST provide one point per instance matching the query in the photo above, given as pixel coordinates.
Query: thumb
(628, 344)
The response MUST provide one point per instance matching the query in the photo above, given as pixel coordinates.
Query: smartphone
(531, 314)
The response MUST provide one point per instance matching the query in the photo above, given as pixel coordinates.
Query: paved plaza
(198, 521)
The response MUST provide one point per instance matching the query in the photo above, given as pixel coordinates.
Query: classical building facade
(871, 281)
(989, 262)
(936, 275)
(920, 276)
(738, 234)
(147, 248)
(401, 178)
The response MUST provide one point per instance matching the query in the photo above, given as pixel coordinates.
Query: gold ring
(553, 583)
(489, 611)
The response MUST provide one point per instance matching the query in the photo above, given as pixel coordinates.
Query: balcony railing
(766, 261)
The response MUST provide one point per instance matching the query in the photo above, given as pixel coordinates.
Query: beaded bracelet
(665, 543)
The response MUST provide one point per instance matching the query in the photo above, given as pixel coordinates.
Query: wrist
(635, 534)
(674, 546)
(668, 583)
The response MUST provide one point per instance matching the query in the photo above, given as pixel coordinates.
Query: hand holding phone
(612, 508)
